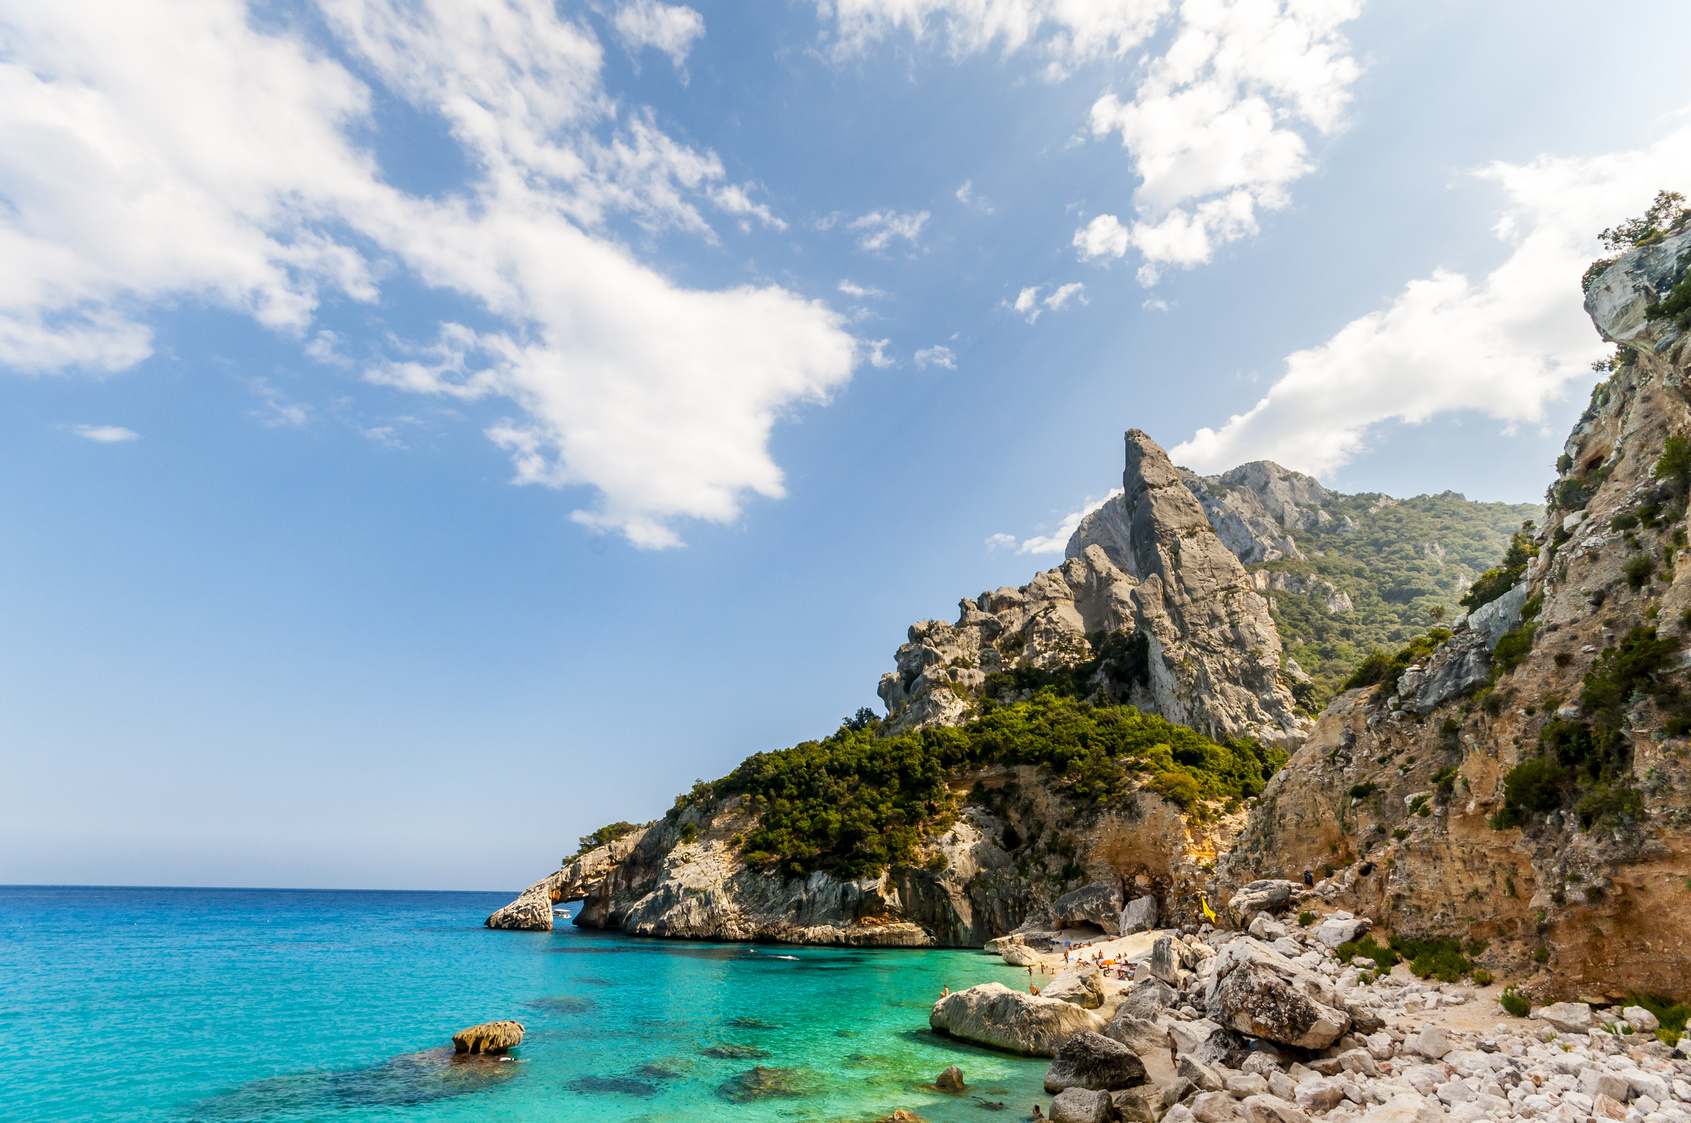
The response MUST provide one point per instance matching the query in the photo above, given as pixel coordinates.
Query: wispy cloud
(1029, 304)
(106, 434)
(878, 357)
(861, 292)
(1504, 345)
(879, 228)
(198, 154)
(938, 356)
(1055, 542)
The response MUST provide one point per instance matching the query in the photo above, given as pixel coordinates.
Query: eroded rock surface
(993, 1014)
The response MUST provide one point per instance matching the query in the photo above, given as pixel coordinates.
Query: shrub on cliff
(1502, 577)
(1377, 668)
(604, 835)
(1665, 215)
(853, 803)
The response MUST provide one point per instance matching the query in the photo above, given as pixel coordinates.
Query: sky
(431, 430)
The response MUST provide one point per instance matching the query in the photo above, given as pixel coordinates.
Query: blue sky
(430, 431)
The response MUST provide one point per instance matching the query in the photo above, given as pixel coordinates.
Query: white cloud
(734, 200)
(107, 434)
(939, 356)
(1074, 290)
(1103, 236)
(166, 152)
(1054, 542)
(671, 28)
(879, 228)
(385, 435)
(1503, 346)
(1029, 304)
(1067, 31)
(1000, 541)
(878, 357)
(278, 411)
(1217, 126)
(966, 195)
(861, 292)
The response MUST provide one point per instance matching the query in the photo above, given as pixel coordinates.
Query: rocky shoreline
(1268, 1025)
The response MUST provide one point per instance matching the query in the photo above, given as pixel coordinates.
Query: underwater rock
(762, 1083)
(735, 1052)
(951, 1080)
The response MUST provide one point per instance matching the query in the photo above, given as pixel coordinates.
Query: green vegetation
(1305, 919)
(1586, 765)
(604, 835)
(1384, 958)
(1377, 668)
(1671, 1014)
(1512, 649)
(1441, 957)
(1124, 659)
(1403, 564)
(1515, 1004)
(1666, 215)
(1541, 954)
(1499, 579)
(1483, 978)
(1364, 789)
(853, 803)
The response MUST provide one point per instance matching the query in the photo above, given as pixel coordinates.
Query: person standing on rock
(1309, 878)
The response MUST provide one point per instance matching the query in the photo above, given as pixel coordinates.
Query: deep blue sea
(244, 1005)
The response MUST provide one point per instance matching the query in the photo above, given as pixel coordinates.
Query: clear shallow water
(240, 1006)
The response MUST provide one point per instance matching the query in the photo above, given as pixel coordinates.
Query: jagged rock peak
(1204, 651)
(1253, 509)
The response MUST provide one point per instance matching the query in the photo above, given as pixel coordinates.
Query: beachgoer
(945, 990)
(1037, 1114)
(1033, 990)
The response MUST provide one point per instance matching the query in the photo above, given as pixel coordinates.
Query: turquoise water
(229, 1006)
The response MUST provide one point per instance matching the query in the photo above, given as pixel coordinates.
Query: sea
(253, 1005)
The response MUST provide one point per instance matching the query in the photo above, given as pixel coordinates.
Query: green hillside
(1404, 563)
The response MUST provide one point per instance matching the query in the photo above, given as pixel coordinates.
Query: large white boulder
(993, 1014)
(1140, 915)
(1082, 984)
(1260, 992)
(1567, 1017)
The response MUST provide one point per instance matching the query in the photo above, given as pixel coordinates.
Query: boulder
(1148, 1040)
(1266, 928)
(489, 1037)
(1082, 984)
(1567, 1017)
(1260, 896)
(1215, 1107)
(1166, 956)
(1640, 1019)
(1203, 1077)
(1264, 1108)
(1257, 991)
(1148, 997)
(1341, 928)
(1140, 915)
(1432, 1042)
(1082, 1105)
(1091, 1060)
(1098, 904)
(951, 1080)
(1137, 1105)
(1595, 1082)
(1406, 1107)
(993, 1014)
(1020, 955)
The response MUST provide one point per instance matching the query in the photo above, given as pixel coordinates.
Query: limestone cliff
(1174, 623)
(1527, 782)
(1013, 856)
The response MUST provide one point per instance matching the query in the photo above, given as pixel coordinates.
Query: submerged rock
(489, 1037)
(993, 1014)
(951, 1080)
(762, 1083)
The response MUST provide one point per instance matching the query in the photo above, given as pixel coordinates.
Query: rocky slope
(1155, 583)
(1527, 783)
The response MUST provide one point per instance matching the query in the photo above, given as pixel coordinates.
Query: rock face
(1091, 1060)
(489, 1037)
(1259, 992)
(1140, 915)
(1098, 904)
(993, 1014)
(1397, 789)
(1254, 506)
(1148, 569)
(532, 910)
